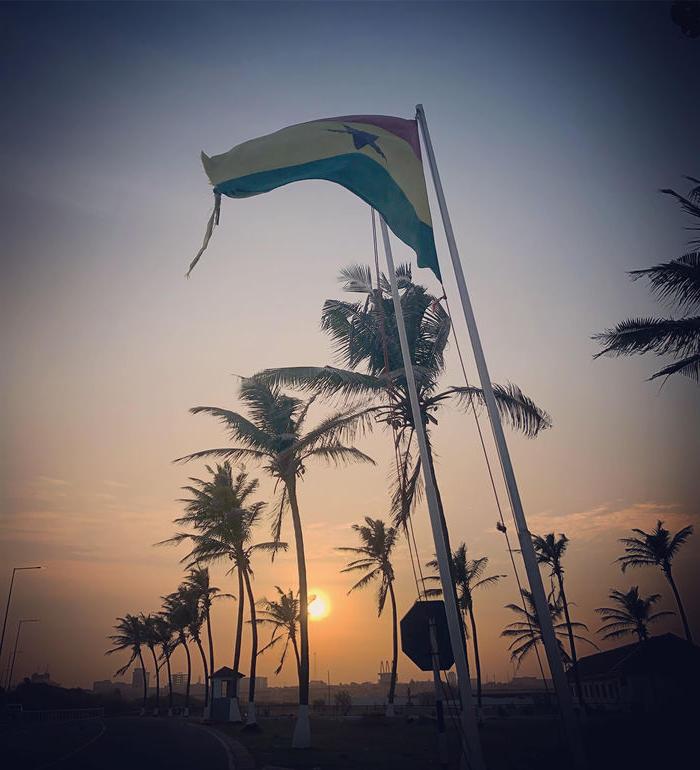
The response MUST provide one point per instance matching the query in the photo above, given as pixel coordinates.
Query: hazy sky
(555, 125)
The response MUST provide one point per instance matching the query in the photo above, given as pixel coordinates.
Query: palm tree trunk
(572, 645)
(206, 671)
(250, 718)
(211, 641)
(145, 683)
(477, 660)
(170, 682)
(239, 630)
(295, 647)
(189, 673)
(681, 610)
(394, 644)
(155, 664)
(302, 730)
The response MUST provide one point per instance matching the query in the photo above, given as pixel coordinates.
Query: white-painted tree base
(155, 712)
(170, 712)
(390, 710)
(142, 712)
(250, 717)
(207, 711)
(302, 729)
(234, 712)
(186, 712)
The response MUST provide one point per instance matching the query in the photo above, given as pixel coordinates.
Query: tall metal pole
(528, 552)
(473, 755)
(7, 606)
(14, 652)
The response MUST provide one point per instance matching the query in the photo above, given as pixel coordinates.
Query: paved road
(113, 744)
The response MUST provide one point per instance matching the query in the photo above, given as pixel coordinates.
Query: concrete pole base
(302, 729)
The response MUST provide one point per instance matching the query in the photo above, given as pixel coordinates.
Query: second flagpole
(472, 751)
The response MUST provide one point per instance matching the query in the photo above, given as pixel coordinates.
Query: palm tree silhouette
(526, 633)
(631, 615)
(677, 280)
(130, 635)
(228, 536)
(178, 609)
(151, 638)
(374, 557)
(658, 549)
(468, 576)
(366, 342)
(209, 505)
(163, 634)
(283, 615)
(275, 436)
(550, 550)
(198, 581)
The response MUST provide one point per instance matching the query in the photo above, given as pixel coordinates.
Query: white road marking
(75, 751)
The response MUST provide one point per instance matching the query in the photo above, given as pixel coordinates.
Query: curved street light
(14, 652)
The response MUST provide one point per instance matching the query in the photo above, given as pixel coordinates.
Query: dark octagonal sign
(415, 635)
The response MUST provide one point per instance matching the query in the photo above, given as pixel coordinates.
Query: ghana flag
(377, 157)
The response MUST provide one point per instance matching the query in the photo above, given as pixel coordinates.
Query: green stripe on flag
(361, 175)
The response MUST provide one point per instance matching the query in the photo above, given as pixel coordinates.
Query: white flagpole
(474, 758)
(528, 552)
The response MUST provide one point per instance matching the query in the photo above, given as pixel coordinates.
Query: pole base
(302, 729)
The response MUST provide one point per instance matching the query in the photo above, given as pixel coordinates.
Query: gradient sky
(555, 125)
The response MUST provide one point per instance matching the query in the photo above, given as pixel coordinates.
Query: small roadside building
(661, 673)
(224, 689)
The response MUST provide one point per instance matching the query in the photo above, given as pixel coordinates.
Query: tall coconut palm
(194, 629)
(275, 435)
(366, 342)
(468, 576)
(550, 551)
(163, 634)
(526, 632)
(377, 542)
(178, 611)
(631, 614)
(679, 281)
(151, 639)
(283, 615)
(658, 549)
(210, 502)
(130, 635)
(199, 584)
(228, 536)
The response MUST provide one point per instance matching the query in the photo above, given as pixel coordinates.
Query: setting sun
(320, 607)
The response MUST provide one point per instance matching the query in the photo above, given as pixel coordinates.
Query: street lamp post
(7, 606)
(14, 652)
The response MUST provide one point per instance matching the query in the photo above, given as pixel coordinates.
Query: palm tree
(366, 341)
(198, 582)
(191, 598)
(550, 550)
(275, 436)
(526, 633)
(209, 504)
(228, 536)
(130, 636)
(178, 610)
(163, 634)
(468, 576)
(374, 558)
(151, 638)
(677, 280)
(631, 615)
(658, 549)
(283, 615)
